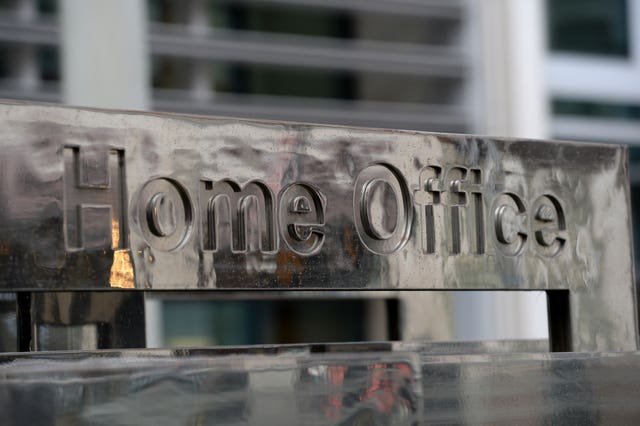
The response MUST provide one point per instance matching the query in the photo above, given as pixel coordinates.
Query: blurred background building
(566, 69)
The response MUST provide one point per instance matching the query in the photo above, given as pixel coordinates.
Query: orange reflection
(121, 270)
(115, 234)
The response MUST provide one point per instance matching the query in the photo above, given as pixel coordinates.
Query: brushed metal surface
(95, 199)
(343, 386)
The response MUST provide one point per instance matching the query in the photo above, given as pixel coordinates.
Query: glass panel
(48, 7)
(49, 61)
(241, 322)
(589, 26)
(574, 107)
(167, 11)
(201, 319)
(290, 81)
(291, 20)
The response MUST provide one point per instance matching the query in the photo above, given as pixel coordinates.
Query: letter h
(94, 198)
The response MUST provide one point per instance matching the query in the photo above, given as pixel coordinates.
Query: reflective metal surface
(8, 325)
(374, 386)
(97, 200)
(87, 320)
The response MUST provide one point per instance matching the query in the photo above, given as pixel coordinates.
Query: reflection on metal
(87, 320)
(8, 323)
(95, 200)
(121, 271)
(338, 386)
(63, 337)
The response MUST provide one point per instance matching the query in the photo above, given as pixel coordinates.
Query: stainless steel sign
(93, 199)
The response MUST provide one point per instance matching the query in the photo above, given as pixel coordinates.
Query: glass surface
(170, 73)
(289, 81)
(5, 62)
(241, 322)
(589, 26)
(8, 326)
(166, 11)
(49, 7)
(314, 21)
(290, 20)
(621, 111)
(49, 63)
(196, 319)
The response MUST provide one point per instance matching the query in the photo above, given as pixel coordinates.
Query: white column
(105, 55)
(198, 23)
(509, 63)
(105, 63)
(24, 61)
(510, 100)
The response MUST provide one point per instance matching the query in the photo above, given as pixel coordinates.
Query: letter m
(240, 217)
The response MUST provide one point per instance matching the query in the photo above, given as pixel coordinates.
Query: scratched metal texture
(296, 386)
(93, 199)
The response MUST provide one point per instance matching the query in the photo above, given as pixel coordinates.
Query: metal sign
(95, 199)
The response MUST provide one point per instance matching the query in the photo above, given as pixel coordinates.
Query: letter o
(378, 189)
(164, 214)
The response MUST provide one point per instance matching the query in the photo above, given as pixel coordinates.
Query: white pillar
(510, 56)
(105, 63)
(105, 54)
(24, 62)
(198, 24)
(511, 100)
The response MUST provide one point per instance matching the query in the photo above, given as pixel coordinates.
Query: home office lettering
(453, 215)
